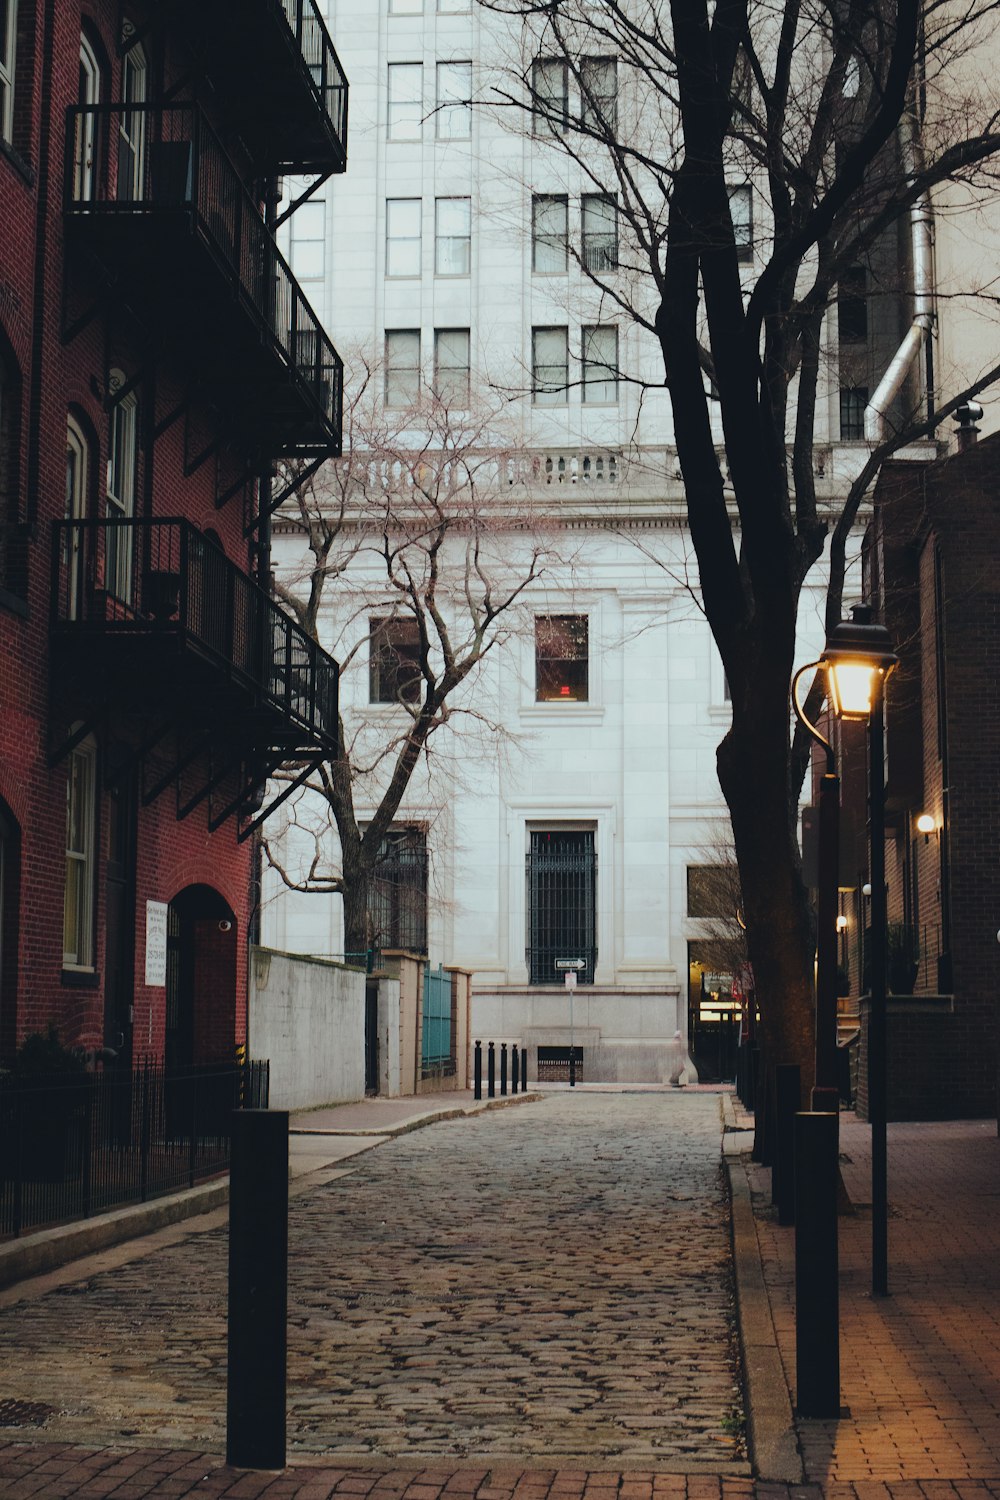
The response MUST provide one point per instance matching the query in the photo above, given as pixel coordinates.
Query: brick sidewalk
(920, 1369)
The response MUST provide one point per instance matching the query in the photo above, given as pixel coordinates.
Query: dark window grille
(397, 904)
(853, 400)
(562, 904)
(600, 231)
(553, 1064)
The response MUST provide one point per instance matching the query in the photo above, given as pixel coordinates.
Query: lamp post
(858, 658)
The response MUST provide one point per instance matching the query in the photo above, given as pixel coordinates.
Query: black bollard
(258, 1289)
(503, 1070)
(491, 1072)
(477, 1072)
(524, 1070)
(787, 1091)
(514, 1075)
(817, 1303)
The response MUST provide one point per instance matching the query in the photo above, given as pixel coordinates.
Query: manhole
(14, 1413)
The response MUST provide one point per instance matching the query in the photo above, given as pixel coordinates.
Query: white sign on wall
(156, 942)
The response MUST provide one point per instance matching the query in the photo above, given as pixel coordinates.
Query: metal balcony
(152, 624)
(151, 194)
(277, 76)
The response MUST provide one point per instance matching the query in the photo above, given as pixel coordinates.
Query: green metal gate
(436, 1053)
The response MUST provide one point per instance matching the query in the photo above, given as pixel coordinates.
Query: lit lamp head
(926, 825)
(857, 653)
(841, 923)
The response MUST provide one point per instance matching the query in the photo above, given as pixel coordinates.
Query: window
(562, 903)
(85, 141)
(402, 367)
(122, 458)
(394, 660)
(453, 7)
(741, 213)
(307, 240)
(712, 891)
(600, 365)
(78, 925)
(549, 232)
(77, 464)
(599, 94)
(561, 658)
(600, 232)
(453, 236)
(132, 127)
(451, 366)
(454, 101)
(402, 237)
(406, 101)
(549, 96)
(398, 896)
(8, 41)
(406, 7)
(549, 366)
(852, 305)
(853, 400)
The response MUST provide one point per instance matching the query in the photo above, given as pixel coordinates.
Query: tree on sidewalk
(843, 119)
(417, 549)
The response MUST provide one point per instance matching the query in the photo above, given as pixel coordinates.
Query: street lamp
(858, 659)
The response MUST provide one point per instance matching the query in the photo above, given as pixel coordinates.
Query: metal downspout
(921, 239)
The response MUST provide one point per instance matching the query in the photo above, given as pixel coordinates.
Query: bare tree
(418, 547)
(846, 116)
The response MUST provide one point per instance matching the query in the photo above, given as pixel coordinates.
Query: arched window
(132, 125)
(77, 483)
(85, 144)
(81, 847)
(122, 460)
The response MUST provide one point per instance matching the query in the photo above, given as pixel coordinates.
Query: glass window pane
(561, 658)
(599, 93)
(549, 90)
(402, 367)
(453, 246)
(550, 216)
(402, 257)
(741, 212)
(550, 365)
(600, 365)
(454, 90)
(600, 232)
(451, 361)
(405, 101)
(405, 7)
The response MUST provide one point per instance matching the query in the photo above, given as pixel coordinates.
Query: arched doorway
(201, 979)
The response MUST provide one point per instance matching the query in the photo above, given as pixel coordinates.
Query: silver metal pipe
(922, 241)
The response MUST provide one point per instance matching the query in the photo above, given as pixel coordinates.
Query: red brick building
(159, 366)
(931, 571)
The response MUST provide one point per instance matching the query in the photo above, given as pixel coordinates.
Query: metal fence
(75, 1146)
(561, 871)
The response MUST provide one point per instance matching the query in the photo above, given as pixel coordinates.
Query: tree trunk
(357, 923)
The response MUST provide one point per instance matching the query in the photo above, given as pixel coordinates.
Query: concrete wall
(307, 1016)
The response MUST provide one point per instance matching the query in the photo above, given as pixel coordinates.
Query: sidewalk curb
(417, 1122)
(773, 1441)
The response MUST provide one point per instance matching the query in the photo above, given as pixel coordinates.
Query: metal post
(826, 932)
(477, 1072)
(503, 1070)
(514, 1068)
(817, 1301)
(787, 1088)
(258, 1289)
(524, 1070)
(877, 1111)
(491, 1072)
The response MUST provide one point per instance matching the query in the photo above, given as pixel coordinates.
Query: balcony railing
(277, 77)
(126, 578)
(162, 201)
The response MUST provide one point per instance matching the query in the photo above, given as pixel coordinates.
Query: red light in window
(564, 692)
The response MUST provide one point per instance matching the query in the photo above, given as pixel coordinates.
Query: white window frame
(402, 250)
(453, 108)
(123, 455)
(451, 376)
(303, 259)
(85, 143)
(452, 241)
(81, 780)
(547, 239)
(741, 214)
(8, 65)
(544, 390)
(77, 490)
(132, 125)
(406, 7)
(404, 101)
(599, 353)
(400, 342)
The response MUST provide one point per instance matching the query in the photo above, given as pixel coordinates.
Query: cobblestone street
(549, 1281)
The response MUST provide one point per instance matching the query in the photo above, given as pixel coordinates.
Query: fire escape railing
(127, 577)
(129, 161)
(328, 78)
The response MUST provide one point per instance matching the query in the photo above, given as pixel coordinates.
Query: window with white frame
(402, 366)
(453, 7)
(307, 240)
(599, 224)
(78, 904)
(405, 101)
(600, 365)
(549, 366)
(549, 232)
(394, 660)
(453, 115)
(8, 44)
(549, 96)
(741, 213)
(562, 658)
(85, 137)
(599, 94)
(122, 461)
(402, 236)
(77, 486)
(453, 236)
(132, 127)
(406, 7)
(451, 366)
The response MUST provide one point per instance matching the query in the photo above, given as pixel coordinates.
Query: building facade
(157, 358)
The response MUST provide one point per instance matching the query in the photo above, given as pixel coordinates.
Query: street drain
(14, 1413)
